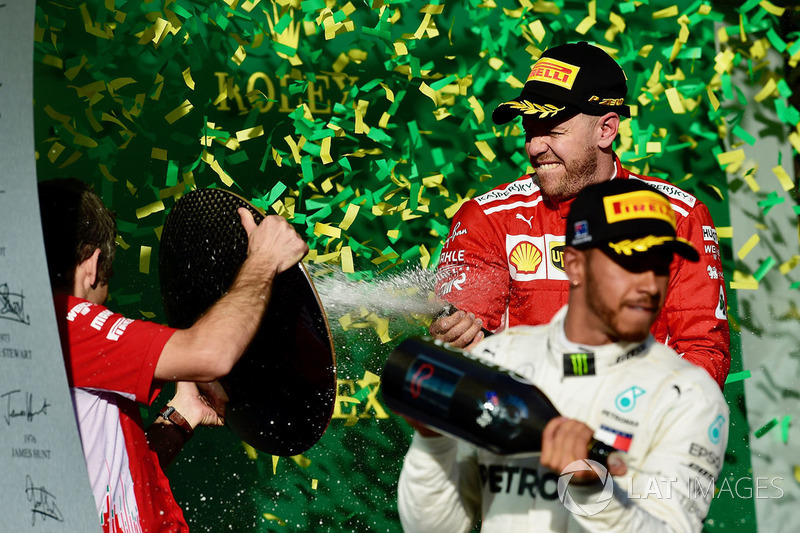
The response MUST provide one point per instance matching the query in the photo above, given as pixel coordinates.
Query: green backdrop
(366, 123)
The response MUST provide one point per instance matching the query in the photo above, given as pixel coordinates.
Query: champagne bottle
(455, 394)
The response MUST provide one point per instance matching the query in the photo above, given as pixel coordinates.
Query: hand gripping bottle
(455, 394)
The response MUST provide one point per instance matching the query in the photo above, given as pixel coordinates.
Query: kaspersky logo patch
(579, 364)
(553, 71)
(526, 258)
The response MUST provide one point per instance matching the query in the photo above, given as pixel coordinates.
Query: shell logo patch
(526, 258)
(553, 71)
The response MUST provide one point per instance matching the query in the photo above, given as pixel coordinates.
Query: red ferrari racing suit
(503, 261)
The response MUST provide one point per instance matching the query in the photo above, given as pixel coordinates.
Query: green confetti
(765, 267)
(737, 376)
(785, 424)
(763, 430)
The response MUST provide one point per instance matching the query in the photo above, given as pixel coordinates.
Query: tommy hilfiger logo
(579, 364)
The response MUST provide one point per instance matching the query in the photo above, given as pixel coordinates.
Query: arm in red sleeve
(473, 272)
(694, 320)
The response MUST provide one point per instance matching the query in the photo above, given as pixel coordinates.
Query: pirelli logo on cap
(637, 205)
(554, 71)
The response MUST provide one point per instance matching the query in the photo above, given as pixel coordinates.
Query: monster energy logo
(578, 364)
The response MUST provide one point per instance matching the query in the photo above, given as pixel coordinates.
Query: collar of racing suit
(564, 207)
(605, 357)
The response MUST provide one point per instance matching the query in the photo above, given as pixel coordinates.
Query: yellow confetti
(314, 483)
(653, 148)
(743, 282)
(495, 62)
(732, 157)
(748, 246)
(725, 232)
(425, 89)
(104, 171)
(325, 151)
(249, 133)
(294, 147)
(53, 61)
(239, 55)
(349, 216)
(149, 315)
(158, 153)
(119, 83)
(794, 140)
(301, 460)
(674, 99)
(381, 327)
(772, 8)
(485, 150)
(180, 111)
(768, 89)
(144, 259)
(513, 82)
(347, 260)
(389, 92)
(361, 110)
(783, 177)
(585, 25)
(712, 98)
(750, 179)
(326, 229)
(149, 209)
(270, 516)
(789, 265)
(477, 109)
(400, 48)
(275, 460)
(537, 29)
(425, 257)
(226, 179)
(55, 151)
(671, 11)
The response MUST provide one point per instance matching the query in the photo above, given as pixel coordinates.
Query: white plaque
(43, 479)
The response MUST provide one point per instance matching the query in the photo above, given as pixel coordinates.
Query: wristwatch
(172, 415)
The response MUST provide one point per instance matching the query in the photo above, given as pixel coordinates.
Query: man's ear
(608, 125)
(86, 274)
(575, 266)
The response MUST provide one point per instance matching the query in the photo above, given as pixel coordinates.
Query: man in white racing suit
(609, 379)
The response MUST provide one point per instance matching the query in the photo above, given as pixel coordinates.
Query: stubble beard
(578, 175)
(606, 315)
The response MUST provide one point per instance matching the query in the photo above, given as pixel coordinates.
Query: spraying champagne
(488, 406)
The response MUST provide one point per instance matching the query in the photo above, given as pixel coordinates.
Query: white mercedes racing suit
(668, 416)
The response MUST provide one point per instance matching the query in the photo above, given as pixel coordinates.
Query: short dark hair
(75, 223)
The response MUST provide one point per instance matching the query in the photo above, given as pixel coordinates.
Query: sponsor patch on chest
(531, 258)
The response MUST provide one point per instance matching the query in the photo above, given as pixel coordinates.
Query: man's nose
(536, 146)
(648, 282)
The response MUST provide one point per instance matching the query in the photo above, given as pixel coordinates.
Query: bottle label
(430, 385)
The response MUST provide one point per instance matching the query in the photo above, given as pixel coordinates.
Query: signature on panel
(12, 306)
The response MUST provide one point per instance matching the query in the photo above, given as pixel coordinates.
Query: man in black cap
(605, 373)
(503, 262)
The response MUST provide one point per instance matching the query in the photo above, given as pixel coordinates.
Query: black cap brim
(539, 110)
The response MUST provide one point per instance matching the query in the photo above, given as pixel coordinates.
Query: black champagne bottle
(455, 394)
